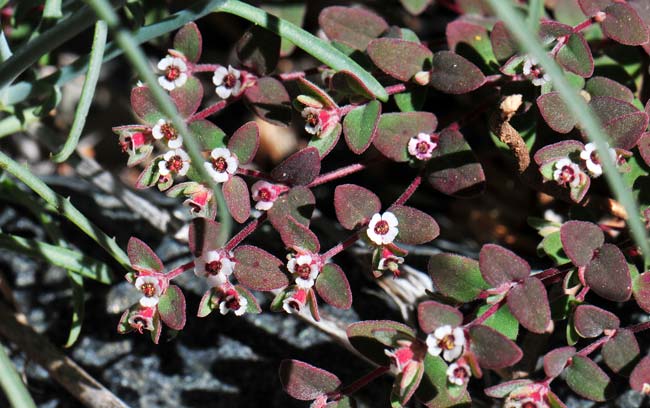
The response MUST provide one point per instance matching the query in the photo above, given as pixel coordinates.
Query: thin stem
(409, 190)
(488, 313)
(205, 67)
(395, 89)
(255, 173)
(639, 327)
(341, 246)
(245, 232)
(593, 346)
(363, 381)
(337, 174)
(180, 270)
(580, 297)
(210, 110)
(585, 24)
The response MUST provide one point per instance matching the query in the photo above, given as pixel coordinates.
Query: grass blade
(11, 383)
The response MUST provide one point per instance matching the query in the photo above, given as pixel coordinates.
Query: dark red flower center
(220, 164)
(447, 343)
(230, 80)
(213, 267)
(303, 271)
(567, 174)
(422, 146)
(312, 119)
(148, 289)
(168, 131)
(529, 404)
(461, 373)
(175, 164)
(594, 157)
(265, 194)
(382, 227)
(172, 72)
(232, 302)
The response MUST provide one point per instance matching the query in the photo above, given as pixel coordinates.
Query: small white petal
(165, 63)
(374, 237)
(220, 152)
(166, 84)
(162, 168)
(264, 205)
(219, 74)
(389, 237)
(442, 331)
(223, 92)
(291, 265)
(235, 72)
(180, 81)
(304, 260)
(390, 218)
(180, 64)
(231, 164)
(304, 283)
(216, 280)
(223, 309)
(149, 301)
(175, 143)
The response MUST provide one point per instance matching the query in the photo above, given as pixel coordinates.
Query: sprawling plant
(564, 99)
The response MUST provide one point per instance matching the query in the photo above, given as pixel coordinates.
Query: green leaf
(575, 56)
(354, 205)
(333, 286)
(411, 100)
(207, 134)
(235, 191)
(551, 245)
(396, 129)
(326, 141)
(456, 276)
(171, 308)
(621, 352)
(305, 382)
(352, 26)
(360, 126)
(293, 13)
(362, 338)
(587, 379)
(502, 321)
(188, 40)
(400, 59)
(434, 389)
(415, 7)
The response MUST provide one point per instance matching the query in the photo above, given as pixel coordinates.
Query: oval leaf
(188, 97)
(580, 239)
(400, 59)
(556, 360)
(608, 274)
(354, 27)
(396, 129)
(142, 257)
(355, 205)
(144, 105)
(300, 168)
(575, 56)
(591, 321)
(297, 236)
(456, 276)
(528, 302)
(492, 349)
(188, 41)
(269, 100)
(587, 379)
(360, 126)
(172, 308)
(555, 112)
(361, 337)
(432, 315)
(640, 377)
(235, 192)
(641, 289)
(333, 286)
(306, 382)
(298, 204)
(621, 351)
(451, 73)
(258, 270)
(622, 24)
(499, 265)
(415, 227)
(244, 142)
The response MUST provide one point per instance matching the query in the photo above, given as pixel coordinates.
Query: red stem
(409, 191)
(593, 346)
(255, 173)
(639, 327)
(245, 232)
(336, 174)
(210, 110)
(341, 246)
(394, 89)
(585, 24)
(581, 296)
(363, 381)
(205, 67)
(180, 270)
(482, 318)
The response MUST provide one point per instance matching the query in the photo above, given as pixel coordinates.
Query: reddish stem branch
(210, 110)
(482, 318)
(255, 173)
(336, 174)
(180, 270)
(593, 346)
(395, 89)
(639, 327)
(205, 67)
(245, 232)
(341, 246)
(409, 190)
(363, 381)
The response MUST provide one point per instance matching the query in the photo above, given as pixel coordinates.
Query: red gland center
(422, 147)
(220, 164)
(230, 80)
(265, 194)
(529, 404)
(168, 131)
(312, 119)
(303, 271)
(175, 164)
(232, 303)
(382, 227)
(148, 289)
(213, 267)
(594, 157)
(447, 342)
(567, 175)
(461, 373)
(172, 73)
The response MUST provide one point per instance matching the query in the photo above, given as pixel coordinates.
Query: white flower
(382, 229)
(232, 301)
(533, 71)
(228, 82)
(305, 269)
(175, 72)
(214, 265)
(294, 301)
(265, 194)
(567, 171)
(313, 122)
(151, 290)
(222, 164)
(164, 129)
(174, 161)
(458, 373)
(592, 161)
(391, 263)
(422, 146)
(448, 341)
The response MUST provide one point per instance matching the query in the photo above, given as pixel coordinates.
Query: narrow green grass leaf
(11, 383)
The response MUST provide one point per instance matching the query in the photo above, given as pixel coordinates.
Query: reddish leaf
(591, 321)
(556, 360)
(470, 39)
(207, 134)
(453, 74)
(625, 131)
(354, 27)
(313, 91)
(269, 100)
(235, 192)
(296, 235)
(622, 24)
(503, 45)
(621, 351)
(144, 105)
(360, 126)
(298, 203)
(608, 108)
(550, 30)
(555, 112)
(406, 382)
(453, 168)
(644, 147)
(558, 151)
(640, 377)
(361, 337)
(528, 302)
(143, 258)
(456, 276)
(401, 59)
(608, 274)
(300, 168)
(244, 142)
(579, 240)
(603, 86)
(355, 205)
(257, 269)
(432, 315)
(641, 289)
(591, 7)
(203, 236)
(504, 389)
(415, 227)
(312, 302)
(493, 350)
(157, 329)
(499, 265)
(396, 129)
(586, 379)
(333, 286)
(188, 97)
(347, 83)
(306, 382)
(172, 308)
(575, 56)
(259, 50)
(188, 41)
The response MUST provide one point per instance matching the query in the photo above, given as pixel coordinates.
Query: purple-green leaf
(297, 203)
(244, 142)
(555, 360)
(493, 350)
(575, 56)
(299, 169)
(641, 290)
(505, 388)
(258, 270)
(555, 112)
(608, 274)
(453, 74)
(354, 27)
(203, 236)
(415, 227)
(590, 321)
(396, 129)
(259, 50)
(333, 286)
(586, 379)
(304, 381)
(579, 240)
(360, 126)
(558, 151)
(435, 391)
(503, 45)
(207, 134)
(640, 377)
(625, 131)
(269, 100)
(401, 59)
(406, 382)
(296, 235)
(603, 86)
(142, 257)
(644, 147)
(622, 24)
(453, 168)
(432, 315)
(591, 7)
(144, 105)
(354, 205)
(188, 41)
(621, 351)
(172, 308)
(361, 337)
(188, 97)
(235, 192)
(499, 265)
(313, 91)
(528, 302)
(325, 142)
(456, 277)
